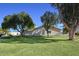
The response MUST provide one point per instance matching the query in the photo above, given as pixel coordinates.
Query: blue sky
(35, 10)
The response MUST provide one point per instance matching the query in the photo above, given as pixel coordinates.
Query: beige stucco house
(41, 31)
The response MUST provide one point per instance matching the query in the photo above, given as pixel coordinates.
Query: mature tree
(69, 13)
(48, 19)
(19, 22)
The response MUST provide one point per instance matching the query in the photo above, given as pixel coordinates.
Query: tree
(48, 19)
(20, 22)
(69, 13)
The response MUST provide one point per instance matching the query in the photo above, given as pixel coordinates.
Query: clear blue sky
(35, 10)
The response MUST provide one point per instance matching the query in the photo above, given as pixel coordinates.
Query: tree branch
(65, 24)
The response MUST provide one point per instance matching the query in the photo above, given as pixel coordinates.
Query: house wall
(38, 32)
(14, 33)
(42, 32)
(55, 33)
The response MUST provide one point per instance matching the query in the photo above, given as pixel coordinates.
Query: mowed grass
(39, 46)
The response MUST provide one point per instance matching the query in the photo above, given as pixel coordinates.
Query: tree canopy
(69, 14)
(20, 22)
(48, 19)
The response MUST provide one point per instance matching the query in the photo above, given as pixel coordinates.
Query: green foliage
(5, 31)
(65, 31)
(69, 12)
(69, 15)
(20, 22)
(48, 19)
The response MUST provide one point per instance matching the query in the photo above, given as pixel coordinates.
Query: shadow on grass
(29, 39)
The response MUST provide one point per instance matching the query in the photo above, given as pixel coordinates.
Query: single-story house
(41, 31)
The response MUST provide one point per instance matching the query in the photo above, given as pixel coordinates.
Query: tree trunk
(47, 33)
(71, 34)
(65, 24)
(22, 33)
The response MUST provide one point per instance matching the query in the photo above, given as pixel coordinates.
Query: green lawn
(38, 46)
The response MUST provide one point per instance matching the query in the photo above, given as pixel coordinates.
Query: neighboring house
(40, 31)
(9, 33)
(14, 33)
